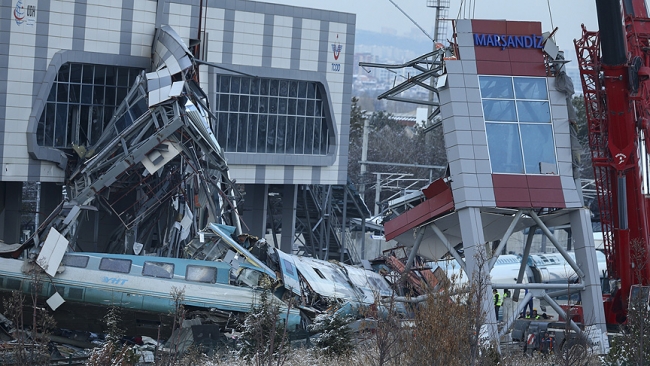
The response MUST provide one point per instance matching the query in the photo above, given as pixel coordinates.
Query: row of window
(518, 124)
(241, 132)
(270, 116)
(194, 273)
(75, 73)
(255, 115)
(266, 87)
(81, 102)
(270, 105)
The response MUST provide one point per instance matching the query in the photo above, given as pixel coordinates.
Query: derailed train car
(220, 282)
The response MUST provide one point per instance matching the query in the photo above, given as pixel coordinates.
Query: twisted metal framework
(430, 66)
(157, 167)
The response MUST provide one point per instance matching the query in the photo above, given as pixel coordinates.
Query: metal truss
(430, 66)
(588, 51)
(157, 166)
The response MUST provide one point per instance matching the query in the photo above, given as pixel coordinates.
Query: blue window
(496, 87)
(158, 269)
(530, 88)
(79, 261)
(115, 265)
(499, 110)
(518, 125)
(530, 111)
(504, 147)
(203, 274)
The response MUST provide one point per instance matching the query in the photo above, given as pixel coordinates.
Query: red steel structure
(614, 74)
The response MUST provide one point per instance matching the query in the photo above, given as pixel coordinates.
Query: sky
(373, 15)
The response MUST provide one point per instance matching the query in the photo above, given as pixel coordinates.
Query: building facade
(278, 79)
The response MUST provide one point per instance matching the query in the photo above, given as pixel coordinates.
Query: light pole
(364, 152)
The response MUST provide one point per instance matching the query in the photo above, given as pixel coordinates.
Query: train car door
(289, 272)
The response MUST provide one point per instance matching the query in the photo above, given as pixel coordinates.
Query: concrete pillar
(50, 197)
(592, 300)
(255, 208)
(11, 194)
(477, 265)
(289, 202)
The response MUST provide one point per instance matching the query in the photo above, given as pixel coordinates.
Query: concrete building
(278, 79)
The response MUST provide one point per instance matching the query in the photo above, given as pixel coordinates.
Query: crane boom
(614, 72)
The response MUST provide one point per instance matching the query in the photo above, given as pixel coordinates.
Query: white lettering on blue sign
(505, 41)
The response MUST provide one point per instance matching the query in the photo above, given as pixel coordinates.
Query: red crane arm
(614, 68)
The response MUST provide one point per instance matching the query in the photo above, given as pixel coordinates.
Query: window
(518, 124)
(288, 267)
(158, 269)
(78, 261)
(81, 102)
(201, 274)
(115, 265)
(270, 116)
(249, 277)
(319, 273)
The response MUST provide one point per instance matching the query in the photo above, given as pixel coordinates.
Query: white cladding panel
(272, 40)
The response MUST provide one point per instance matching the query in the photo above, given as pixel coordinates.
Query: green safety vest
(498, 299)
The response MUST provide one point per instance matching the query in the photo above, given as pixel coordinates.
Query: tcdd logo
(336, 49)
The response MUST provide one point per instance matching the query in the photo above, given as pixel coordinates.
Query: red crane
(614, 73)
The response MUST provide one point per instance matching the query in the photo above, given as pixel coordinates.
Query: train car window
(158, 269)
(249, 277)
(288, 267)
(115, 265)
(319, 273)
(79, 261)
(201, 274)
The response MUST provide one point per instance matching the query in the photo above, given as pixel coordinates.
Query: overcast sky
(373, 15)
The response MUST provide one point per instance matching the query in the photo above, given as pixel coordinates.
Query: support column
(592, 300)
(51, 196)
(477, 265)
(255, 209)
(11, 194)
(289, 202)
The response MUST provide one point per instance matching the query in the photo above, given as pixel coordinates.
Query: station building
(277, 77)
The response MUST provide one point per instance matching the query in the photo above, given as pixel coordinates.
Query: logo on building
(24, 15)
(336, 49)
(505, 41)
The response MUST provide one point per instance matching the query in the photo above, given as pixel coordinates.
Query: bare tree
(264, 338)
(449, 327)
(386, 341)
(32, 344)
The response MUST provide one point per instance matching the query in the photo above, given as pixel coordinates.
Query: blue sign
(504, 41)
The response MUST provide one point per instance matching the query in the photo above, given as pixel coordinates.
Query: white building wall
(237, 32)
(17, 101)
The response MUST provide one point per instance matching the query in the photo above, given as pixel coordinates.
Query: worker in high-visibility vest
(498, 300)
